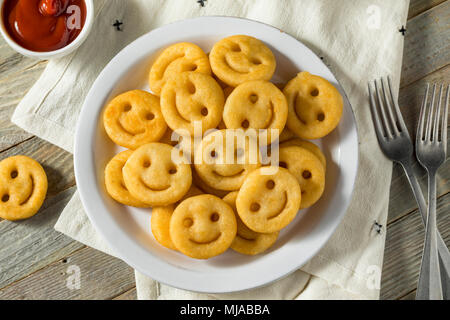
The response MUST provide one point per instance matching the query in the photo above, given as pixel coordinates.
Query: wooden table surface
(35, 260)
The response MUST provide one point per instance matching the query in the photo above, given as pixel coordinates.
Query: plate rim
(81, 162)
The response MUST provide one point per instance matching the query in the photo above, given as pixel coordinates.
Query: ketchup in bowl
(44, 25)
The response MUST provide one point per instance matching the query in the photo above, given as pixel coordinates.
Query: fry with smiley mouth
(203, 226)
(23, 187)
(152, 177)
(227, 157)
(268, 202)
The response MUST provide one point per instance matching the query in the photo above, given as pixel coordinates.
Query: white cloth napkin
(359, 40)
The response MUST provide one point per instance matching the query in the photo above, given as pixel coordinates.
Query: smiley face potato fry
(315, 106)
(268, 202)
(152, 177)
(238, 59)
(203, 226)
(134, 118)
(215, 170)
(23, 186)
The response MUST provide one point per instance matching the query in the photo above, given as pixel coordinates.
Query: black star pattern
(118, 24)
(402, 30)
(378, 227)
(201, 2)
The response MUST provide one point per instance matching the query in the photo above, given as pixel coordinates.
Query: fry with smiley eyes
(315, 106)
(248, 241)
(257, 105)
(133, 119)
(308, 170)
(268, 202)
(226, 158)
(203, 226)
(152, 177)
(191, 97)
(23, 187)
(241, 58)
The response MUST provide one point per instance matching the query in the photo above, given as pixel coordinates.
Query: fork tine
(445, 121)
(430, 115)
(389, 109)
(420, 129)
(438, 114)
(398, 113)
(383, 114)
(376, 117)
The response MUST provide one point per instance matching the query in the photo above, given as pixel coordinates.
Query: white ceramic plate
(127, 230)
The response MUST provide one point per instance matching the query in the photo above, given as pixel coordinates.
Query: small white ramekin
(56, 53)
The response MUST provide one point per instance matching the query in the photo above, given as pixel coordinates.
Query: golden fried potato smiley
(225, 157)
(115, 186)
(257, 105)
(308, 170)
(268, 202)
(178, 58)
(190, 97)
(203, 226)
(23, 186)
(134, 118)
(160, 221)
(152, 177)
(248, 241)
(315, 106)
(240, 58)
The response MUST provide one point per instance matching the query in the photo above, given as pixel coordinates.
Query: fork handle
(444, 254)
(429, 286)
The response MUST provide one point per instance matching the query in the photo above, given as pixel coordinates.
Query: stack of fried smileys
(202, 147)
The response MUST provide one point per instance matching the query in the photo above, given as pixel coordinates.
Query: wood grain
(30, 245)
(403, 250)
(12, 90)
(101, 277)
(427, 44)
(416, 7)
(128, 295)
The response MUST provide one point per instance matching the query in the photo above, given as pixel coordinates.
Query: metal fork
(431, 151)
(396, 144)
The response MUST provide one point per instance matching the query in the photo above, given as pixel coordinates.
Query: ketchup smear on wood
(44, 25)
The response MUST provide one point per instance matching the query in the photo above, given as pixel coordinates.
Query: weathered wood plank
(427, 43)
(409, 296)
(12, 90)
(13, 63)
(416, 7)
(401, 198)
(101, 277)
(32, 244)
(403, 250)
(129, 295)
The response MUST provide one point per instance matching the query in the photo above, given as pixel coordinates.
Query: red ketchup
(44, 25)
